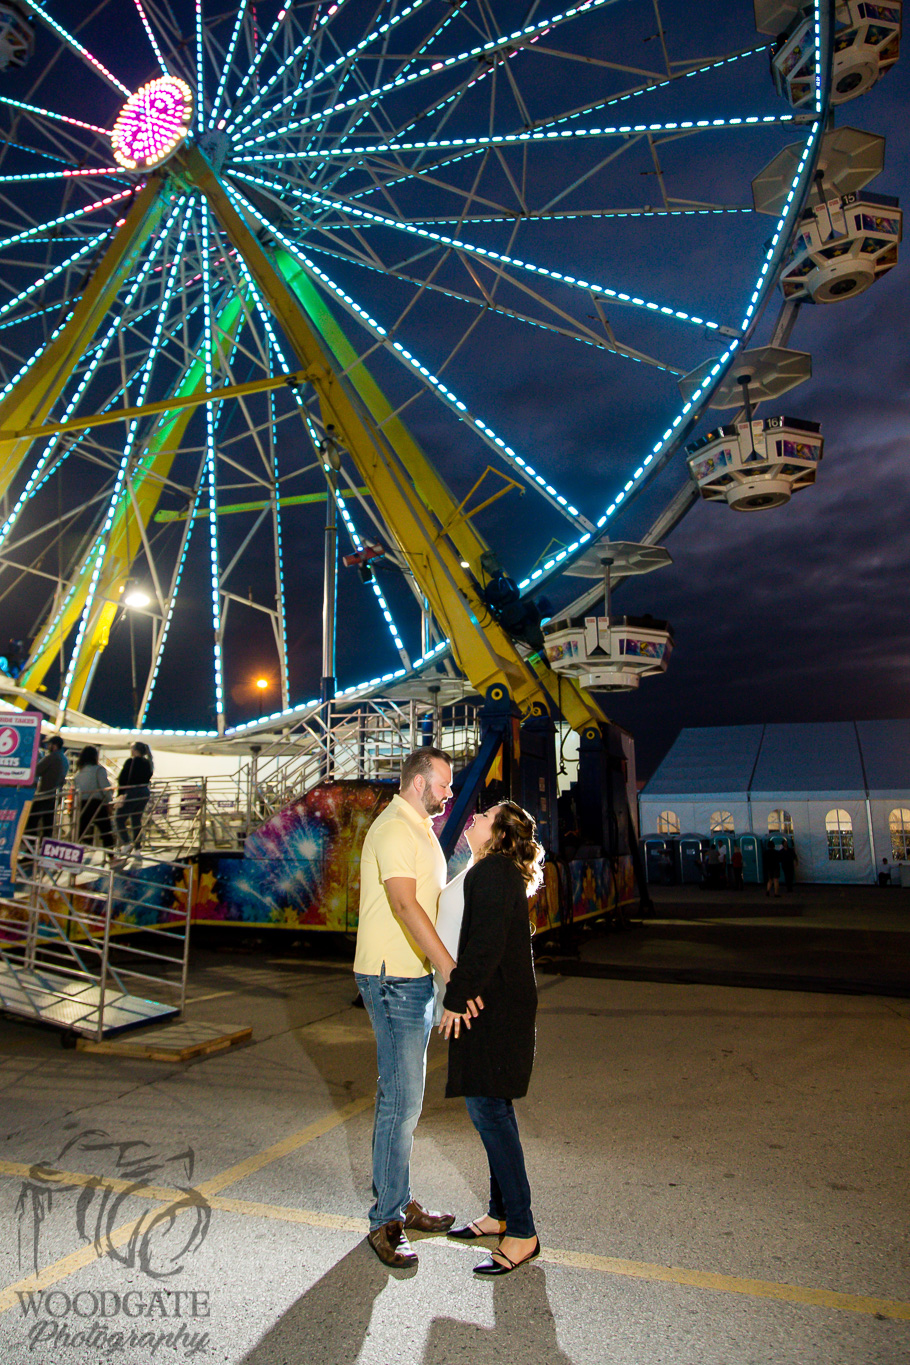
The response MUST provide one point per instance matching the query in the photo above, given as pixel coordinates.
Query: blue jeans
(401, 1012)
(510, 1192)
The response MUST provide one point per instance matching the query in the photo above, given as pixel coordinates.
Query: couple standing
(489, 1002)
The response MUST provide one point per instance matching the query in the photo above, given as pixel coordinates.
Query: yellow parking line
(731, 1284)
(605, 1265)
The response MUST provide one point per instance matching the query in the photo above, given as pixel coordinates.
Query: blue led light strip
(98, 551)
(499, 257)
(264, 48)
(39, 474)
(558, 135)
(433, 67)
(521, 466)
(693, 409)
(314, 436)
(65, 218)
(272, 349)
(38, 13)
(175, 589)
(211, 473)
(200, 69)
(90, 244)
(624, 353)
(567, 215)
(323, 75)
(417, 56)
(228, 61)
(546, 123)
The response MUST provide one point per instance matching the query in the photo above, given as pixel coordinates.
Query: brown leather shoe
(391, 1246)
(426, 1220)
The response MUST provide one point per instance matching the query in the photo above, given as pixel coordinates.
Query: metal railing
(191, 815)
(63, 958)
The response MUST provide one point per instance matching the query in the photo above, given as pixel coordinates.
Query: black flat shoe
(490, 1267)
(471, 1233)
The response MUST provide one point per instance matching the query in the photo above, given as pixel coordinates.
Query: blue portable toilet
(691, 859)
(652, 847)
(753, 866)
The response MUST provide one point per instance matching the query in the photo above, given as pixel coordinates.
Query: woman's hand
(451, 1023)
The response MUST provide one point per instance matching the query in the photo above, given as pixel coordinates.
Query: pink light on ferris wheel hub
(152, 124)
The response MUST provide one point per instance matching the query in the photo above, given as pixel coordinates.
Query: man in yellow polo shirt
(402, 871)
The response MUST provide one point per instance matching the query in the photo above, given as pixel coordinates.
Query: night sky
(793, 614)
(801, 613)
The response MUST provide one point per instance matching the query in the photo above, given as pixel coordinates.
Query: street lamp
(261, 684)
(134, 597)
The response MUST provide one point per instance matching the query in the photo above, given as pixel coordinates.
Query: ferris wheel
(512, 230)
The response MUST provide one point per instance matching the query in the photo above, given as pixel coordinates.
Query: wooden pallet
(174, 1043)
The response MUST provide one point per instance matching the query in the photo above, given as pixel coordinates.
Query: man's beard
(432, 805)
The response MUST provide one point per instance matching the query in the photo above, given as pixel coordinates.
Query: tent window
(780, 822)
(839, 828)
(721, 822)
(668, 822)
(899, 824)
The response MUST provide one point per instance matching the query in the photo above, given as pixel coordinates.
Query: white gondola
(866, 45)
(848, 236)
(612, 653)
(17, 37)
(753, 466)
(843, 246)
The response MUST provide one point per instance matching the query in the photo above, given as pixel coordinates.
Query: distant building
(841, 789)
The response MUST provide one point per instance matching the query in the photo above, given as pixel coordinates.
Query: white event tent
(842, 789)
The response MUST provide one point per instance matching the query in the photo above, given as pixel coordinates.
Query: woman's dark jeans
(510, 1193)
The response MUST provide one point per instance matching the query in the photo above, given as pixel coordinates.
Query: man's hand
(402, 894)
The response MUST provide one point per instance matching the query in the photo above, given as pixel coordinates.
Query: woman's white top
(448, 926)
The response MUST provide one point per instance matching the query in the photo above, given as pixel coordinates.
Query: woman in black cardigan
(490, 1060)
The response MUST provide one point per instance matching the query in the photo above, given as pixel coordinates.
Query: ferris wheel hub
(152, 124)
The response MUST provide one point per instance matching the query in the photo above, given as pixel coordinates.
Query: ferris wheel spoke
(564, 135)
(42, 16)
(210, 469)
(38, 285)
(339, 64)
(85, 583)
(150, 33)
(499, 47)
(53, 116)
(527, 472)
(281, 359)
(74, 216)
(664, 311)
(263, 51)
(569, 327)
(228, 62)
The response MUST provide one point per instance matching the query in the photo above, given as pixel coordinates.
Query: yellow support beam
(432, 488)
(28, 403)
(125, 537)
(159, 405)
(483, 650)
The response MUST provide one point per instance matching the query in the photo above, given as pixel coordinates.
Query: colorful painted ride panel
(301, 870)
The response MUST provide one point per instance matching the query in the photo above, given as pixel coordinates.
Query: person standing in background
(134, 791)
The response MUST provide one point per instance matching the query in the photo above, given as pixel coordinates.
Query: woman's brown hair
(513, 833)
